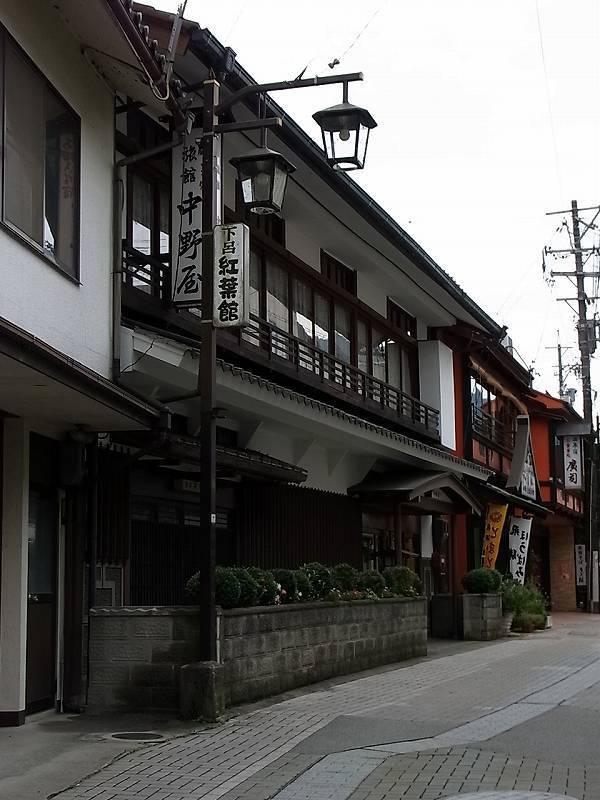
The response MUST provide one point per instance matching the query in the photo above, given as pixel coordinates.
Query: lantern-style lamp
(345, 128)
(263, 175)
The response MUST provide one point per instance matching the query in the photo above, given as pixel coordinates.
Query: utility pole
(582, 327)
(587, 344)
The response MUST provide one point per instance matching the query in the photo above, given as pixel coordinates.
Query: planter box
(482, 616)
(136, 654)
(273, 649)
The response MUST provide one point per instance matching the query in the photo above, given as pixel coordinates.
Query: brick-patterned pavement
(293, 750)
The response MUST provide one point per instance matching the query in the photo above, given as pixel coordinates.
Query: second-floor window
(40, 161)
(493, 414)
(322, 321)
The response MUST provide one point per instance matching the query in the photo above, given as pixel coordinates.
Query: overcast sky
(488, 117)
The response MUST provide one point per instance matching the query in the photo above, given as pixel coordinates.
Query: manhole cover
(138, 736)
(497, 795)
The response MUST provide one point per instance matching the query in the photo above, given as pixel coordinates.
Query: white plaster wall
(436, 379)
(299, 242)
(372, 292)
(75, 319)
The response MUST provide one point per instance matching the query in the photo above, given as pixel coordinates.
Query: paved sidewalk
(416, 731)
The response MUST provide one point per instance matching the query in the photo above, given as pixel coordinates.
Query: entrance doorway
(41, 604)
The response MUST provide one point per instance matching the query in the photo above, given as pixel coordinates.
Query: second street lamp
(263, 175)
(345, 129)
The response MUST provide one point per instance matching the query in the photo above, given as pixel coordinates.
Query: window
(401, 319)
(41, 162)
(338, 274)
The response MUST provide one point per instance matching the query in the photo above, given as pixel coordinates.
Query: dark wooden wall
(286, 526)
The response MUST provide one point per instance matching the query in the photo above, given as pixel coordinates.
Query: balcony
(492, 429)
(147, 286)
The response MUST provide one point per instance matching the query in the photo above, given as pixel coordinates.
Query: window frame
(10, 227)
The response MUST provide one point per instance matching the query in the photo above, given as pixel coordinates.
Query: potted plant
(482, 604)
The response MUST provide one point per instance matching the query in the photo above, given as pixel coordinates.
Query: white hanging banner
(186, 224)
(518, 543)
(231, 304)
(580, 565)
(572, 462)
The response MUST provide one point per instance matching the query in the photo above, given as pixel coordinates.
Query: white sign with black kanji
(518, 544)
(572, 462)
(231, 276)
(186, 240)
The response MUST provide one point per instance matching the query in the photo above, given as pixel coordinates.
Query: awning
(429, 489)
(498, 494)
(179, 451)
(41, 383)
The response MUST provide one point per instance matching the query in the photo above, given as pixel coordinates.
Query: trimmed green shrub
(227, 587)
(482, 581)
(519, 600)
(249, 587)
(303, 586)
(526, 622)
(344, 577)
(320, 579)
(287, 580)
(373, 581)
(402, 581)
(267, 587)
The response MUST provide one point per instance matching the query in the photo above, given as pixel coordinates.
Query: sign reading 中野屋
(580, 565)
(518, 544)
(494, 523)
(231, 275)
(572, 462)
(186, 247)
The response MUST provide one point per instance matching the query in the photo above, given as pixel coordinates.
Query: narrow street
(519, 714)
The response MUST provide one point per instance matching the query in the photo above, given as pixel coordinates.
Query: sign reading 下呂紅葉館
(494, 523)
(572, 462)
(518, 544)
(231, 275)
(186, 224)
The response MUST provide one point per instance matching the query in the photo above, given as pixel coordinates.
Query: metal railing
(492, 428)
(338, 375)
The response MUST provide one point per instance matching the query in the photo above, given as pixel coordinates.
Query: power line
(546, 82)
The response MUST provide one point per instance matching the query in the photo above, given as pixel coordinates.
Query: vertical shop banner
(186, 225)
(572, 462)
(494, 523)
(580, 565)
(518, 542)
(231, 275)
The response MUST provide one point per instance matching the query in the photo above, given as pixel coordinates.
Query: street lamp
(345, 129)
(263, 174)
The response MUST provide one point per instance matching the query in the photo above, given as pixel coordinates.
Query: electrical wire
(550, 114)
(338, 60)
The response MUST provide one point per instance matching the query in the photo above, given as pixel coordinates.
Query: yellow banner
(494, 523)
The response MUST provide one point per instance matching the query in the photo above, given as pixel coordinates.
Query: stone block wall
(482, 616)
(269, 650)
(562, 569)
(136, 654)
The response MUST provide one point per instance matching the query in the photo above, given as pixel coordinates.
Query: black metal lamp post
(263, 174)
(345, 129)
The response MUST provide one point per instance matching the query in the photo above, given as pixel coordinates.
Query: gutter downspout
(117, 273)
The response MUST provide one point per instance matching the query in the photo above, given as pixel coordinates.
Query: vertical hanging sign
(518, 543)
(494, 523)
(580, 565)
(186, 239)
(572, 462)
(231, 275)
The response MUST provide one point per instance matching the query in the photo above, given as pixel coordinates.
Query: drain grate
(138, 736)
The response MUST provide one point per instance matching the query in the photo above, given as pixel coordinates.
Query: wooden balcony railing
(318, 366)
(146, 273)
(263, 341)
(492, 428)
